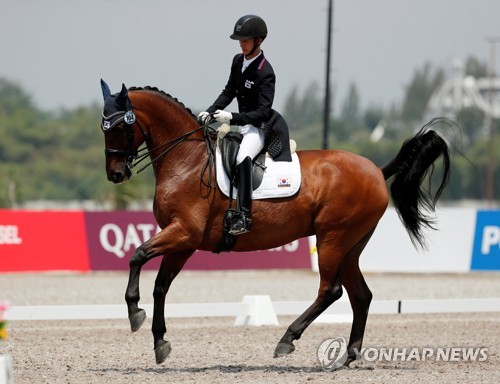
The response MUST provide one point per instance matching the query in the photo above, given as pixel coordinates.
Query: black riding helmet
(249, 26)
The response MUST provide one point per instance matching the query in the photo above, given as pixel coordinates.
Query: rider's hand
(223, 116)
(204, 117)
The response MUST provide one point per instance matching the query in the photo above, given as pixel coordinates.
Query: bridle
(111, 121)
(135, 156)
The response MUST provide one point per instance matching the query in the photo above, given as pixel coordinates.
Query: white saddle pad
(281, 178)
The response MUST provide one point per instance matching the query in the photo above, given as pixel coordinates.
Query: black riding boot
(241, 222)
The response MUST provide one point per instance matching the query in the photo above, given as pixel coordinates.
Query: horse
(341, 199)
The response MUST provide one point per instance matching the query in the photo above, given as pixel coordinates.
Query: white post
(314, 253)
(6, 370)
(261, 313)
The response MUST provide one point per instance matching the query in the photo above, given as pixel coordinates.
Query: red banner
(42, 241)
(114, 236)
(79, 241)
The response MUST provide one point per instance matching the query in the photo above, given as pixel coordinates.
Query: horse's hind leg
(360, 297)
(336, 269)
(330, 289)
(170, 267)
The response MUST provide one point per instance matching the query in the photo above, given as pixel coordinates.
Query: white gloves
(203, 117)
(223, 116)
(219, 115)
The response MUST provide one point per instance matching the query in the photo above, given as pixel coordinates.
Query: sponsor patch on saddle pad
(281, 179)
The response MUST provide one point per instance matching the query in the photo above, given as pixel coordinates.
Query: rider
(252, 82)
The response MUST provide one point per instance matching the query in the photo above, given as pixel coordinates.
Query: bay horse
(341, 199)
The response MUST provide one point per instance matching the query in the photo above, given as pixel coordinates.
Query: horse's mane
(165, 95)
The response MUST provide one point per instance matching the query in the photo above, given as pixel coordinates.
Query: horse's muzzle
(119, 176)
(118, 171)
(116, 177)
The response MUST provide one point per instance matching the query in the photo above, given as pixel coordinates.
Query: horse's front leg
(136, 315)
(170, 267)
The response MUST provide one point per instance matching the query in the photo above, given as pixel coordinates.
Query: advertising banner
(114, 236)
(448, 248)
(486, 251)
(32, 241)
(42, 241)
(295, 255)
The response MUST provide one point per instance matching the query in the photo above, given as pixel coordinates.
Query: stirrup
(241, 224)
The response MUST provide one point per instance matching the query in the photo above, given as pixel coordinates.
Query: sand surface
(213, 350)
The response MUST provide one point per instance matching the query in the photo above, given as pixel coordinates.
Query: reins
(210, 163)
(143, 153)
(174, 143)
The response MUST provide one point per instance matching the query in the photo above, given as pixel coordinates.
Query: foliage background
(58, 155)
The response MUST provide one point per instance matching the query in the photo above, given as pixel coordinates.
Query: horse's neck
(184, 157)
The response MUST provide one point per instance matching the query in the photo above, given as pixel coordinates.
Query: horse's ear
(123, 96)
(105, 90)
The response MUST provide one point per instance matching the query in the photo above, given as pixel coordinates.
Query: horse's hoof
(283, 349)
(162, 350)
(137, 319)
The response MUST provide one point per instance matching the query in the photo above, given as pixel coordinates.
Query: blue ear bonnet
(117, 108)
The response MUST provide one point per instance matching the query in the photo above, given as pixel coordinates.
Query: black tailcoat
(254, 91)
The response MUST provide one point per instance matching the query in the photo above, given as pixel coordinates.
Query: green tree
(304, 116)
(419, 91)
(13, 98)
(292, 111)
(372, 117)
(471, 122)
(350, 111)
(475, 68)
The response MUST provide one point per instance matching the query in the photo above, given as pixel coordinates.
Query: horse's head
(120, 140)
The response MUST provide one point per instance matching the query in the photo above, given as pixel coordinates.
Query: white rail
(253, 310)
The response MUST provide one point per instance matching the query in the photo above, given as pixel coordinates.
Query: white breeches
(252, 143)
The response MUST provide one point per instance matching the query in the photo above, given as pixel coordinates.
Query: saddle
(269, 180)
(229, 144)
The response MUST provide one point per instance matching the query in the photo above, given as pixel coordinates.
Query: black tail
(410, 167)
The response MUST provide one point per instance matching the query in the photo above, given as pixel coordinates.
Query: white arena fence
(255, 310)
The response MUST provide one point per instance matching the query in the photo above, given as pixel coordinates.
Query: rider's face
(247, 46)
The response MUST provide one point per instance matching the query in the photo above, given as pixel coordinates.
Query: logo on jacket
(249, 83)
